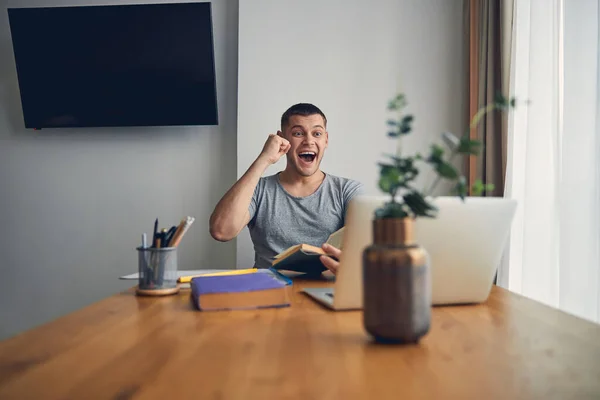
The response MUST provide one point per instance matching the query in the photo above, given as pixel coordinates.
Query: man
(301, 204)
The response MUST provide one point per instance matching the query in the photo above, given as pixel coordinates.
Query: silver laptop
(465, 244)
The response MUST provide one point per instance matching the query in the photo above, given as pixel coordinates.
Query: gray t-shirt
(279, 220)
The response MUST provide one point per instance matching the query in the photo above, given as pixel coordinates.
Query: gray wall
(74, 202)
(349, 58)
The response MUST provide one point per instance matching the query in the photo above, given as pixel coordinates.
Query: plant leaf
(405, 124)
(393, 134)
(391, 122)
(436, 154)
(503, 102)
(389, 178)
(461, 187)
(418, 205)
(446, 170)
(400, 100)
(391, 210)
(388, 169)
(477, 188)
(469, 146)
(397, 103)
(500, 101)
(385, 185)
(393, 157)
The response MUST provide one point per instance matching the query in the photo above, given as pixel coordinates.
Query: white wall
(349, 58)
(74, 202)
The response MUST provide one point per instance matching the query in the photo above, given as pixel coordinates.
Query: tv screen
(123, 65)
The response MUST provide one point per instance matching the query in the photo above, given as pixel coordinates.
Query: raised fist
(274, 148)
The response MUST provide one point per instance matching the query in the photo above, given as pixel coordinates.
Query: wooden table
(133, 347)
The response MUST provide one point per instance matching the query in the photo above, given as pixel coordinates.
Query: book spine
(194, 295)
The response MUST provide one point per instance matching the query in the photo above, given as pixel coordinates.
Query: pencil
(188, 278)
(179, 235)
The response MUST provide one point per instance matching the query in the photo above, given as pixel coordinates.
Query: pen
(144, 244)
(169, 236)
(157, 260)
(155, 236)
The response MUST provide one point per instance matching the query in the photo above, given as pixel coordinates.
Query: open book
(305, 257)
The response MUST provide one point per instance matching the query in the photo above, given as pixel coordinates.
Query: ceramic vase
(397, 286)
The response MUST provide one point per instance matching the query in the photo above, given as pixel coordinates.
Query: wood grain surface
(141, 347)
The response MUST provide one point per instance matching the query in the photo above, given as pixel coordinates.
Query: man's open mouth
(307, 156)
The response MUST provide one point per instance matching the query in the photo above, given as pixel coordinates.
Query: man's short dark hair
(303, 109)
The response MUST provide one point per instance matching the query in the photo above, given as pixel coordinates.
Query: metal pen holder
(157, 268)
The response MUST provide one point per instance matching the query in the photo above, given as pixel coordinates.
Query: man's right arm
(231, 213)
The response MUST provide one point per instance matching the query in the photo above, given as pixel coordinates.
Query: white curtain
(553, 163)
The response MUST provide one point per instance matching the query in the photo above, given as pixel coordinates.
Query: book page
(288, 251)
(336, 239)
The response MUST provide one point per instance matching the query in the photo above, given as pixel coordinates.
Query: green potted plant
(396, 292)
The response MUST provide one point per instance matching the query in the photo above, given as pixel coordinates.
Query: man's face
(308, 141)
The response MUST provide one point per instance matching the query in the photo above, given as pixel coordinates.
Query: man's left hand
(329, 262)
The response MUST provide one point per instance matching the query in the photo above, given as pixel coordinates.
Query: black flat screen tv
(118, 65)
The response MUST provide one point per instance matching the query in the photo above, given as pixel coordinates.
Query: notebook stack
(238, 292)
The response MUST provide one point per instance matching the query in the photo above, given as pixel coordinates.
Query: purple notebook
(233, 283)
